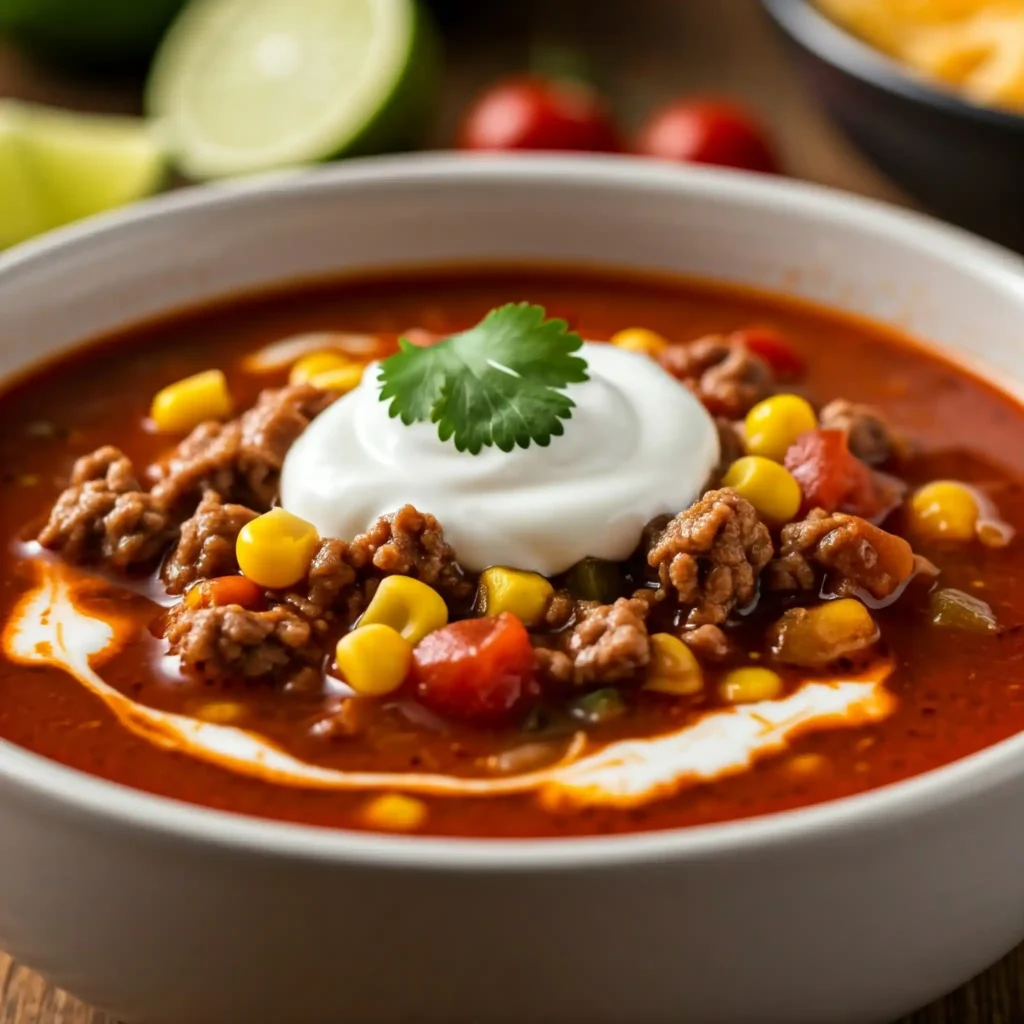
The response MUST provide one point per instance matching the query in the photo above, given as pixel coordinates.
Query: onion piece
(280, 354)
(531, 756)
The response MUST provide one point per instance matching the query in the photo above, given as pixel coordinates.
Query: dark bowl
(965, 162)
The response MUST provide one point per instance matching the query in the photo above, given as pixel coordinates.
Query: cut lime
(241, 86)
(21, 211)
(56, 167)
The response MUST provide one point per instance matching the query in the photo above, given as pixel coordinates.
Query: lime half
(56, 167)
(241, 86)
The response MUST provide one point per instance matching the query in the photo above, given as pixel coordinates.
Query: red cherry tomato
(833, 478)
(530, 112)
(707, 131)
(479, 670)
(774, 349)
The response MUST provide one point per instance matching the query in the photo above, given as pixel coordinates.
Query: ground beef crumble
(726, 376)
(560, 611)
(857, 555)
(868, 433)
(730, 444)
(229, 642)
(206, 547)
(104, 515)
(608, 644)
(711, 556)
(240, 459)
(708, 642)
(411, 543)
(330, 586)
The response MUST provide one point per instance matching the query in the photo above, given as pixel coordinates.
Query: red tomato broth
(956, 692)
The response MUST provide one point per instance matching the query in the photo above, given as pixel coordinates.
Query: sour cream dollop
(638, 445)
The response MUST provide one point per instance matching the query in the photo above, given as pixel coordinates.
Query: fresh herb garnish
(499, 383)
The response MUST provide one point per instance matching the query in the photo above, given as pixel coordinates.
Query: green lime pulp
(241, 86)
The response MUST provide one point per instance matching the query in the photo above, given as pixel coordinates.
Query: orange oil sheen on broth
(956, 692)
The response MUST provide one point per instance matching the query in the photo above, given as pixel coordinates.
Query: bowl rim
(832, 43)
(97, 802)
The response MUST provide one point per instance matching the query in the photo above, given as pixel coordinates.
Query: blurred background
(913, 101)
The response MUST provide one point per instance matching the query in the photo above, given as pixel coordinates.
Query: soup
(497, 580)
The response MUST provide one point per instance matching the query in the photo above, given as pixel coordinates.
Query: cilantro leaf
(500, 383)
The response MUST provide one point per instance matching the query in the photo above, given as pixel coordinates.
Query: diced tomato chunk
(774, 349)
(224, 590)
(833, 478)
(481, 670)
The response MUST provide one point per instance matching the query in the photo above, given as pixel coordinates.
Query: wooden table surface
(643, 51)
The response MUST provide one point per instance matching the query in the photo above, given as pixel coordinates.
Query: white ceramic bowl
(848, 913)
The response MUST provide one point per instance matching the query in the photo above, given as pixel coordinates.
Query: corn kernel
(944, 510)
(524, 594)
(395, 812)
(309, 366)
(819, 636)
(640, 339)
(275, 549)
(220, 712)
(185, 404)
(749, 685)
(805, 765)
(408, 606)
(342, 380)
(769, 487)
(773, 425)
(673, 667)
(374, 660)
(845, 615)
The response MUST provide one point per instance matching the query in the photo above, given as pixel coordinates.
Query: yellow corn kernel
(749, 685)
(406, 605)
(222, 712)
(640, 339)
(805, 765)
(275, 549)
(769, 487)
(819, 636)
(524, 594)
(374, 660)
(673, 667)
(944, 510)
(185, 404)
(309, 366)
(843, 617)
(343, 379)
(395, 812)
(774, 424)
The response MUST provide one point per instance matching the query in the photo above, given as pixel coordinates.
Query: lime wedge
(21, 212)
(241, 86)
(56, 167)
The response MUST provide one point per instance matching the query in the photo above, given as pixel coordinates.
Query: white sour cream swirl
(638, 445)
